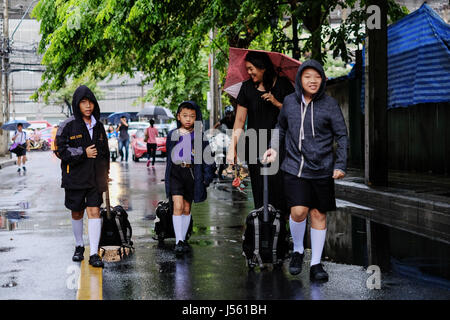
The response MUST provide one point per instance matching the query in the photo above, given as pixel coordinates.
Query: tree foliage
(168, 40)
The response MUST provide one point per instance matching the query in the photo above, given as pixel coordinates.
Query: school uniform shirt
(91, 126)
(21, 138)
(184, 149)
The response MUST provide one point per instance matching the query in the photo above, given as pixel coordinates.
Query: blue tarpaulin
(418, 60)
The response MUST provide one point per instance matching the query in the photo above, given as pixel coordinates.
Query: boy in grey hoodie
(308, 124)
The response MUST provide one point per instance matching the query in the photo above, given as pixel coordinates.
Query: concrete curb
(7, 163)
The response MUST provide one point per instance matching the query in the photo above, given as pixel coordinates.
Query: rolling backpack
(164, 224)
(116, 228)
(265, 239)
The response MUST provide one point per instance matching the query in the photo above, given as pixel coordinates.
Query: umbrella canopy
(114, 118)
(237, 73)
(12, 125)
(156, 112)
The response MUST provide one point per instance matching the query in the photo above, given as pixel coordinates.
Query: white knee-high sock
(77, 227)
(94, 230)
(298, 233)
(317, 243)
(186, 222)
(178, 227)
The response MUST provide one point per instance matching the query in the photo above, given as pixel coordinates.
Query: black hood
(198, 112)
(79, 94)
(298, 82)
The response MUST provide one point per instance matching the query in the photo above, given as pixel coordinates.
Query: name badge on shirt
(78, 136)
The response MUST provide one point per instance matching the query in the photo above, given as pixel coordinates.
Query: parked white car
(134, 126)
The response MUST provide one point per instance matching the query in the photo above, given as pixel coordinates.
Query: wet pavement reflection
(215, 269)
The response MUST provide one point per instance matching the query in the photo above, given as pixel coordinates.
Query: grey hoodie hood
(298, 79)
(78, 95)
(299, 91)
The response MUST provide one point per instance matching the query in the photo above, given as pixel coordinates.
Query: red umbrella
(237, 73)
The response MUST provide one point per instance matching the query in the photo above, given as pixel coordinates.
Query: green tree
(165, 39)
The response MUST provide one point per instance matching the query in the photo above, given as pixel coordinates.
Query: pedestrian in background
(186, 181)
(124, 138)
(309, 122)
(111, 132)
(82, 146)
(54, 131)
(23, 145)
(150, 137)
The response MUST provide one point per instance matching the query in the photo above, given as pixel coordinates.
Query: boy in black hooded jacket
(82, 146)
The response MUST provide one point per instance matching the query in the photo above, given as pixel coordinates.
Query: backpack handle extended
(108, 205)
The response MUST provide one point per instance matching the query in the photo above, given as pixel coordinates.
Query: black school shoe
(96, 261)
(317, 273)
(79, 254)
(179, 248)
(295, 266)
(186, 247)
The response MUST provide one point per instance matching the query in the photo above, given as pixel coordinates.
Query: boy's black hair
(152, 122)
(261, 60)
(186, 106)
(19, 124)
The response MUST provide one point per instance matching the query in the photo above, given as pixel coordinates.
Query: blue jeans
(122, 144)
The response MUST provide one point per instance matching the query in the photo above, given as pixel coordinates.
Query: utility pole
(4, 97)
(376, 143)
(376, 159)
(5, 67)
(213, 87)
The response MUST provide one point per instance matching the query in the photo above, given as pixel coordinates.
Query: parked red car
(139, 147)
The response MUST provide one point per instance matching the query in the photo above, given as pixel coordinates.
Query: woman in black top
(259, 101)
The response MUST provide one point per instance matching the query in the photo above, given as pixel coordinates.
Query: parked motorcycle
(219, 143)
(39, 145)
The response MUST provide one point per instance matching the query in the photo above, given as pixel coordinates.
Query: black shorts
(312, 193)
(21, 150)
(78, 200)
(182, 182)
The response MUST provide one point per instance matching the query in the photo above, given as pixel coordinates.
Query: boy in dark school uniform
(82, 146)
(185, 179)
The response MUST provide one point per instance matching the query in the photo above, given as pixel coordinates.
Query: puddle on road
(10, 219)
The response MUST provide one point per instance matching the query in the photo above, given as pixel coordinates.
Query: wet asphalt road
(35, 256)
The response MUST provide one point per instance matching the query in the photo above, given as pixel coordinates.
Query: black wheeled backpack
(163, 222)
(116, 228)
(265, 236)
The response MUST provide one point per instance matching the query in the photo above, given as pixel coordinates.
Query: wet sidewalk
(6, 161)
(36, 252)
(417, 203)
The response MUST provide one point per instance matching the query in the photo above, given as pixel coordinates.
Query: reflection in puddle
(10, 219)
